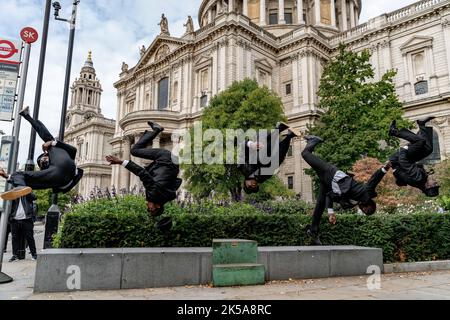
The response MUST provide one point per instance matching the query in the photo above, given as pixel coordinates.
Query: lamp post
(37, 100)
(53, 214)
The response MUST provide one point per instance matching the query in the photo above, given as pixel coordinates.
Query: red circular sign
(7, 49)
(29, 35)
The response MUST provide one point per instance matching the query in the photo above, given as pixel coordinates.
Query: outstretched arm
(377, 178)
(132, 167)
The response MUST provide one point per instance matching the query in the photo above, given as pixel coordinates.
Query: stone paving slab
(410, 286)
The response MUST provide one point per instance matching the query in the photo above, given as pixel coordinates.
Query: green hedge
(107, 224)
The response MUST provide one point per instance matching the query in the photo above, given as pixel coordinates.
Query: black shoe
(25, 112)
(34, 257)
(281, 126)
(393, 131)
(14, 259)
(155, 127)
(313, 141)
(295, 133)
(315, 240)
(423, 122)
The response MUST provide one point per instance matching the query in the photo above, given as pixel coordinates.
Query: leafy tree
(44, 200)
(243, 106)
(358, 111)
(390, 196)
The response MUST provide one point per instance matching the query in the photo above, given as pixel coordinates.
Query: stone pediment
(202, 61)
(263, 64)
(417, 42)
(161, 47)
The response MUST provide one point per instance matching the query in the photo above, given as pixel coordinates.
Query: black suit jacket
(408, 173)
(160, 180)
(28, 205)
(353, 190)
(61, 176)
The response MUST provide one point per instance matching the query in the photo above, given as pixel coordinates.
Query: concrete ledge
(111, 269)
(417, 267)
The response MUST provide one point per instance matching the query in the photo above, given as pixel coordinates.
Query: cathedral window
(291, 183)
(419, 64)
(288, 89)
(435, 157)
(288, 16)
(273, 17)
(163, 94)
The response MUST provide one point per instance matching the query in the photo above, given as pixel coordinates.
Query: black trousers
(326, 173)
(141, 149)
(420, 145)
(26, 228)
(40, 129)
(268, 169)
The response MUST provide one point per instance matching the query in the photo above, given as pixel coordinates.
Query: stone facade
(286, 49)
(89, 131)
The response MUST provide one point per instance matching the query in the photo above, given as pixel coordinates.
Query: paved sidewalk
(410, 286)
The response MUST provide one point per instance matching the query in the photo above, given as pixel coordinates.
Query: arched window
(163, 94)
(435, 157)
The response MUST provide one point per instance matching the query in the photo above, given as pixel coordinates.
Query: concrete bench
(65, 270)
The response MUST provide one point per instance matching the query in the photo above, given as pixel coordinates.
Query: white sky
(114, 30)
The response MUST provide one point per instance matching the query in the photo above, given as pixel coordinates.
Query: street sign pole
(14, 154)
(37, 100)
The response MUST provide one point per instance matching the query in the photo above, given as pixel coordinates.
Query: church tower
(89, 131)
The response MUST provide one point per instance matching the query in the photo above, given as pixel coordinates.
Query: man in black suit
(160, 178)
(405, 165)
(21, 219)
(337, 186)
(253, 167)
(58, 169)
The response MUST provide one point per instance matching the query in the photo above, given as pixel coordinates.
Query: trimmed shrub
(125, 223)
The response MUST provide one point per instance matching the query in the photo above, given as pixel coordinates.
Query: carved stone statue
(124, 67)
(164, 24)
(189, 25)
(143, 50)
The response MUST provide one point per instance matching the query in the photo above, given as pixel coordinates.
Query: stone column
(295, 83)
(156, 142)
(245, 7)
(210, 19)
(446, 27)
(333, 13)
(281, 12)
(300, 12)
(317, 11)
(352, 14)
(262, 12)
(305, 80)
(344, 15)
(231, 6)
